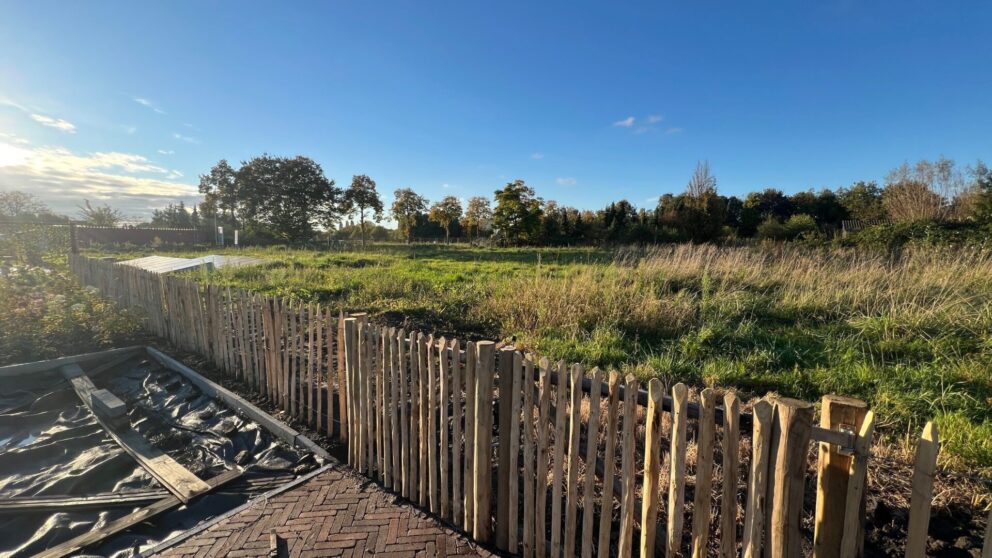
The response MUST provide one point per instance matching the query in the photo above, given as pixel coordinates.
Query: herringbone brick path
(336, 513)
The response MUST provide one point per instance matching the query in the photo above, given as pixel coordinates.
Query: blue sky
(588, 102)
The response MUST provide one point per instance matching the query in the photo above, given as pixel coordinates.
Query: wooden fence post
(676, 485)
(791, 428)
(432, 425)
(987, 545)
(505, 387)
(731, 465)
(592, 447)
(471, 360)
(416, 494)
(483, 440)
(628, 467)
(652, 467)
(609, 466)
(852, 542)
(541, 477)
(572, 481)
(514, 435)
(348, 328)
(342, 383)
(833, 472)
(924, 470)
(456, 433)
(702, 501)
(559, 460)
(404, 403)
(757, 491)
(529, 476)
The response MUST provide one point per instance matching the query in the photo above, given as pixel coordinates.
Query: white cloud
(148, 104)
(129, 130)
(625, 123)
(672, 131)
(186, 139)
(57, 123)
(654, 118)
(446, 185)
(566, 181)
(537, 156)
(63, 179)
(166, 152)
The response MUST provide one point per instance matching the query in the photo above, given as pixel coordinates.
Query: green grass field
(911, 335)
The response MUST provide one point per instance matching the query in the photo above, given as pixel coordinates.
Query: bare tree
(702, 183)
(925, 191)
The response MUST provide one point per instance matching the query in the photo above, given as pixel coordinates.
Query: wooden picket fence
(533, 457)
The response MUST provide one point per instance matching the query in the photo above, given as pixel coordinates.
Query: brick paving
(336, 513)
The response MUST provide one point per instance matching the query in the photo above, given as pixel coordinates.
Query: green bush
(45, 314)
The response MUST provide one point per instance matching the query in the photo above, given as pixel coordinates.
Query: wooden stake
(791, 427)
(592, 446)
(853, 537)
(541, 476)
(924, 470)
(757, 491)
(704, 473)
(652, 467)
(574, 428)
(731, 466)
(676, 483)
(609, 462)
(483, 441)
(628, 470)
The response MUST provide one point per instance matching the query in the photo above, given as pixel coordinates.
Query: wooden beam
(63, 503)
(144, 514)
(176, 478)
(43, 365)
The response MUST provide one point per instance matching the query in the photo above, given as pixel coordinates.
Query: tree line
(290, 200)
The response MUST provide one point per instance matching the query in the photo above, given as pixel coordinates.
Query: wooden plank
(754, 514)
(456, 433)
(527, 385)
(176, 478)
(853, 529)
(432, 422)
(924, 469)
(415, 453)
(558, 460)
(62, 503)
(505, 388)
(294, 366)
(426, 420)
(572, 480)
(342, 379)
(731, 467)
(652, 467)
(394, 403)
(470, 416)
(514, 434)
(790, 447)
(329, 379)
(444, 401)
(592, 446)
(628, 469)
(541, 477)
(144, 514)
(704, 474)
(833, 472)
(676, 481)
(404, 404)
(43, 365)
(609, 466)
(483, 441)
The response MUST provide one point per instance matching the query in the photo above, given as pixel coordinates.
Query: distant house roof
(165, 264)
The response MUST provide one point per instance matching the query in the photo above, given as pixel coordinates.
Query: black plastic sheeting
(50, 444)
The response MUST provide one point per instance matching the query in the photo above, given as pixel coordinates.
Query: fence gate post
(791, 428)
(833, 472)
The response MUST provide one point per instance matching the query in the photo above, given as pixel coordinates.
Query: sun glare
(11, 156)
